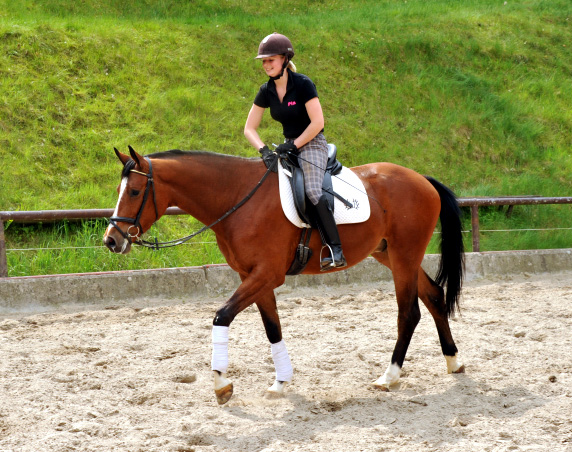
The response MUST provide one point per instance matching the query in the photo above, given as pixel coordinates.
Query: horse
(259, 242)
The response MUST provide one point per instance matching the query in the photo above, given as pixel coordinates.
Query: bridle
(156, 245)
(135, 222)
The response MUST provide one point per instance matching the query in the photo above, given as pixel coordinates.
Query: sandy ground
(137, 378)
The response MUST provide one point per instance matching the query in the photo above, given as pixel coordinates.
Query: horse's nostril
(109, 242)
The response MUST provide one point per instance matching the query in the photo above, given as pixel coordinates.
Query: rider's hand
(286, 148)
(269, 158)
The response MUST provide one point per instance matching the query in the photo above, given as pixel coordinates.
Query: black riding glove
(286, 148)
(269, 158)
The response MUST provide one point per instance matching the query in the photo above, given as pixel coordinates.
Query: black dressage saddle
(306, 210)
(301, 201)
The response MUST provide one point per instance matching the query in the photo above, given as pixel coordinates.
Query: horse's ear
(139, 160)
(123, 157)
(134, 154)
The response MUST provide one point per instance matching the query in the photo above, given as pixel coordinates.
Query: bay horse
(259, 242)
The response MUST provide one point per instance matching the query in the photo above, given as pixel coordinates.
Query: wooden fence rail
(510, 201)
(55, 215)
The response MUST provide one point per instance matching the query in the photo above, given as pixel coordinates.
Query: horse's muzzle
(116, 243)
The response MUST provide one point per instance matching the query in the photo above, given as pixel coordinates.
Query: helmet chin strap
(284, 66)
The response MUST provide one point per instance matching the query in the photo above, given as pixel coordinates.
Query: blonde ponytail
(291, 66)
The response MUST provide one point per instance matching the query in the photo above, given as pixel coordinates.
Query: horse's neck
(207, 186)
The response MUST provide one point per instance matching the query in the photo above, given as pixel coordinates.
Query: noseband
(135, 221)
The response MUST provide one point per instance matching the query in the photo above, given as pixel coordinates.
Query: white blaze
(122, 188)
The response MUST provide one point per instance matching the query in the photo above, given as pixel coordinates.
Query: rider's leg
(313, 159)
(329, 231)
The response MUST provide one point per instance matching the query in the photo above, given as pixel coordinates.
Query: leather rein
(156, 245)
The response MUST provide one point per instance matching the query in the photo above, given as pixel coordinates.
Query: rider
(293, 101)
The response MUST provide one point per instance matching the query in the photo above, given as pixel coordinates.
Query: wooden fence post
(3, 260)
(475, 227)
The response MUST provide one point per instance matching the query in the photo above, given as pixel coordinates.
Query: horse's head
(136, 209)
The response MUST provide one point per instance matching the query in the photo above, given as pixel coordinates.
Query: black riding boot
(329, 231)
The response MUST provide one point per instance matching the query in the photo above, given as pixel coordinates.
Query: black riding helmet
(276, 44)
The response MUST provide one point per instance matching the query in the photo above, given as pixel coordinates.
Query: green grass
(73, 247)
(473, 93)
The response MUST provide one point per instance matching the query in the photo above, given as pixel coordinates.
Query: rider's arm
(314, 109)
(251, 126)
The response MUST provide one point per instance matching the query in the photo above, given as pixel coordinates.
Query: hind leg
(407, 319)
(405, 279)
(432, 296)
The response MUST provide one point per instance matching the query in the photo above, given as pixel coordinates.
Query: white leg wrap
(220, 349)
(282, 362)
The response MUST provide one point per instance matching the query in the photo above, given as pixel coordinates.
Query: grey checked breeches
(313, 158)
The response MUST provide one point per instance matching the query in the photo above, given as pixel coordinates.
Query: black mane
(173, 153)
(127, 168)
(176, 154)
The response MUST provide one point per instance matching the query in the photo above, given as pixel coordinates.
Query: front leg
(252, 286)
(282, 363)
(283, 366)
(219, 363)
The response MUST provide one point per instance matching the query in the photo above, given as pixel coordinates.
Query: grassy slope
(474, 93)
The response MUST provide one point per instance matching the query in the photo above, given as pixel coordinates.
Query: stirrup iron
(330, 265)
(327, 266)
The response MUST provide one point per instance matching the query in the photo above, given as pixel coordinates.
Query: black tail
(452, 263)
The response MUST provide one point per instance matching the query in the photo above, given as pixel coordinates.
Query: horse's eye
(134, 193)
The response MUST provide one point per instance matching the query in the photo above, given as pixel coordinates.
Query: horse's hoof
(276, 390)
(381, 386)
(453, 365)
(224, 394)
(389, 378)
(271, 395)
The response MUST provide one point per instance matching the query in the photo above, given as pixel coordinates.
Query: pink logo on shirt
(291, 103)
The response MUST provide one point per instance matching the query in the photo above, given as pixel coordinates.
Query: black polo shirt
(291, 112)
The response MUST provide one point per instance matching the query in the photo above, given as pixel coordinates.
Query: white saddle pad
(346, 184)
